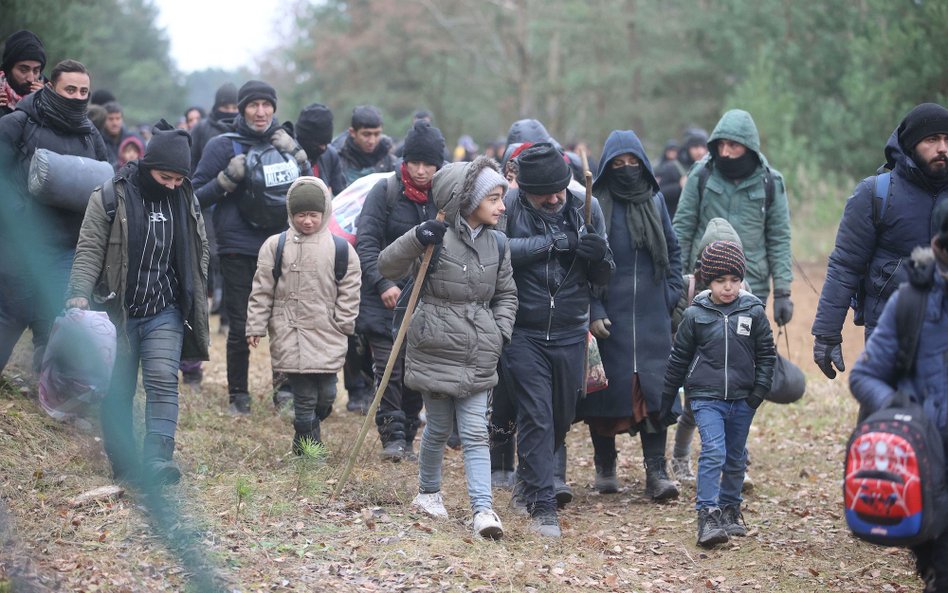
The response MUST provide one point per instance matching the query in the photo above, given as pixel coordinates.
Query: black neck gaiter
(737, 168)
(66, 115)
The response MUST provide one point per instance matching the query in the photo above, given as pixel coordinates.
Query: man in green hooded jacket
(736, 183)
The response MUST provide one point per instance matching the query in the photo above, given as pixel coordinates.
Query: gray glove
(783, 308)
(282, 141)
(600, 328)
(235, 172)
(828, 351)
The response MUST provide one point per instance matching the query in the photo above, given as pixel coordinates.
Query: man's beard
(937, 168)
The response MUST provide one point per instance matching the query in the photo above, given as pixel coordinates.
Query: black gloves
(828, 351)
(431, 232)
(591, 248)
(783, 307)
(756, 397)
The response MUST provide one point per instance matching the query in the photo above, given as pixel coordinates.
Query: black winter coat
(722, 356)
(330, 170)
(548, 311)
(21, 133)
(202, 133)
(376, 228)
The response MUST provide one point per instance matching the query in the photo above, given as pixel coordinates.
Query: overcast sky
(217, 34)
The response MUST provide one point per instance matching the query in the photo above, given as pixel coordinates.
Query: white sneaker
(430, 504)
(487, 525)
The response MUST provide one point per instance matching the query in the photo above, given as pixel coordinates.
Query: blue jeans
(723, 426)
(471, 413)
(154, 342)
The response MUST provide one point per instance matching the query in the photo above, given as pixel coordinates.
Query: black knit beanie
(542, 170)
(168, 150)
(366, 116)
(921, 122)
(314, 125)
(721, 258)
(424, 143)
(225, 95)
(254, 90)
(101, 97)
(22, 45)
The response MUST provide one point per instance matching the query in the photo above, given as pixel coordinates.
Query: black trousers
(397, 416)
(237, 274)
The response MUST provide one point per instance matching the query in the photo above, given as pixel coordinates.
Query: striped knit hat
(720, 258)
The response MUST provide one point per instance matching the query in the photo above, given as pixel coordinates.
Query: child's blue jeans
(471, 413)
(723, 426)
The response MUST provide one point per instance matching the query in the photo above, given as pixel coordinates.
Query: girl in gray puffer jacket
(465, 315)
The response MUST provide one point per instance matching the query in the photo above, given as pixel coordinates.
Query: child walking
(464, 317)
(306, 311)
(724, 356)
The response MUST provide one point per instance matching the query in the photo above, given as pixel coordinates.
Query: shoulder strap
(703, 174)
(501, 240)
(341, 263)
(880, 197)
(391, 193)
(769, 188)
(109, 201)
(278, 258)
(909, 316)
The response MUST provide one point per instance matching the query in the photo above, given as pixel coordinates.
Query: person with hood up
(671, 176)
(314, 133)
(632, 320)
(146, 265)
(387, 214)
(307, 314)
(874, 245)
(464, 317)
(24, 58)
(735, 182)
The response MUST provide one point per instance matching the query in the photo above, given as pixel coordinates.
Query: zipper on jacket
(726, 346)
(694, 364)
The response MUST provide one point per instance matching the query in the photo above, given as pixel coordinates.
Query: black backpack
(894, 483)
(881, 190)
(262, 203)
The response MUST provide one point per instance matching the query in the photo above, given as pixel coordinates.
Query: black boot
(710, 532)
(657, 484)
(561, 490)
(308, 430)
(606, 480)
(391, 426)
(159, 467)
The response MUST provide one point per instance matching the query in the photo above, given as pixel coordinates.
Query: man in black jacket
(559, 262)
(221, 180)
(314, 133)
(365, 149)
(24, 58)
(220, 121)
(37, 242)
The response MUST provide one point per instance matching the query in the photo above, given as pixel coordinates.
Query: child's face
(490, 208)
(724, 289)
(308, 222)
(130, 152)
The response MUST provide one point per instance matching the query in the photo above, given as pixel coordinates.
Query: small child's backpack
(894, 485)
(269, 176)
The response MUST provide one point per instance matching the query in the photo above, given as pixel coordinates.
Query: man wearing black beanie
(314, 133)
(220, 121)
(151, 275)
(24, 58)
(366, 149)
(560, 262)
(887, 217)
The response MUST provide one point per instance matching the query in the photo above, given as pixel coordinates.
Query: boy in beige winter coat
(306, 311)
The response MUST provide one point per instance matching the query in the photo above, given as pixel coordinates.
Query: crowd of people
(668, 268)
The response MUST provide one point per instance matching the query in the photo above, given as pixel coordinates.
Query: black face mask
(737, 168)
(627, 181)
(314, 151)
(150, 189)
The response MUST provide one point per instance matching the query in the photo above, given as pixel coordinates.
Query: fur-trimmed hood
(453, 185)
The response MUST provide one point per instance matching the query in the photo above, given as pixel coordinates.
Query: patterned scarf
(416, 193)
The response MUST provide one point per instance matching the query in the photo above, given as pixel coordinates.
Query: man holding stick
(559, 263)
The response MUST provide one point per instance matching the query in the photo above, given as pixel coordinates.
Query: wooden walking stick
(588, 179)
(396, 348)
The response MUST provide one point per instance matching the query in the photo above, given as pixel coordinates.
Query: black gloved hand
(756, 398)
(828, 351)
(431, 232)
(783, 308)
(591, 247)
(668, 402)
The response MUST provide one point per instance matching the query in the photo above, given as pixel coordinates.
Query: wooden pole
(396, 348)
(588, 179)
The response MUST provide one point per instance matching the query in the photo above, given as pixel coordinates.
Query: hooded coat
(764, 232)
(469, 301)
(307, 314)
(639, 307)
(872, 259)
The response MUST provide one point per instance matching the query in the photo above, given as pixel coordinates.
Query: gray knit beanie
(486, 181)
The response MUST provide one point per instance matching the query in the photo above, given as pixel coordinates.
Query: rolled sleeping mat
(66, 181)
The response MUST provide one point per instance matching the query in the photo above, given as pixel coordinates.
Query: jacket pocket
(886, 278)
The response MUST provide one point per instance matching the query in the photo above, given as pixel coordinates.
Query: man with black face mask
(885, 219)
(220, 121)
(24, 58)
(37, 241)
(735, 182)
(314, 133)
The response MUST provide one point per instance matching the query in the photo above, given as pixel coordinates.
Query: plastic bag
(596, 379)
(347, 206)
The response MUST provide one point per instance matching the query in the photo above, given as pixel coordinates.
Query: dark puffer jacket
(548, 311)
(377, 227)
(209, 127)
(722, 356)
(874, 259)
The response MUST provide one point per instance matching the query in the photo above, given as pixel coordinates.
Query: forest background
(826, 82)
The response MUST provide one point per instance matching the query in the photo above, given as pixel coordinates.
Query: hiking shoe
(681, 467)
(748, 485)
(517, 503)
(487, 525)
(431, 504)
(606, 481)
(360, 401)
(657, 484)
(501, 479)
(546, 525)
(710, 531)
(562, 492)
(393, 451)
(239, 404)
(732, 520)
